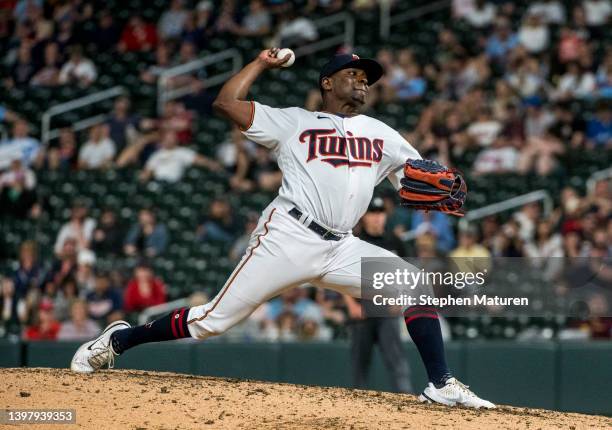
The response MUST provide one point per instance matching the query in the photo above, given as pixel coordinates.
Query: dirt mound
(149, 400)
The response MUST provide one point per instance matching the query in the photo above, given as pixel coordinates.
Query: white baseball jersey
(330, 166)
(330, 163)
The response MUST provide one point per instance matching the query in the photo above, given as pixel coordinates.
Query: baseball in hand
(283, 53)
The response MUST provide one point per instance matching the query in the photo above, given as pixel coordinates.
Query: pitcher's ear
(326, 84)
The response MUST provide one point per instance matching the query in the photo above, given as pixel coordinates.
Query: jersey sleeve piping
(252, 117)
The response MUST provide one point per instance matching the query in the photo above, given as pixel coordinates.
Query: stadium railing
(518, 201)
(164, 93)
(48, 133)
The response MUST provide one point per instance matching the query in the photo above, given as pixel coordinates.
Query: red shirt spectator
(143, 290)
(138, 36)
(47, 326)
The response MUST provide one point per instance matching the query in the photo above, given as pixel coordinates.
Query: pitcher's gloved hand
(428, 185)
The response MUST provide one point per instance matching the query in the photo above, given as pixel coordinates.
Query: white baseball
(283, 53)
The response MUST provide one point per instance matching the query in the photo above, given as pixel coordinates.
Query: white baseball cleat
(454, 393)
(95, 354)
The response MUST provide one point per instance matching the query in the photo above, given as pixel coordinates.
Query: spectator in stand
(574, 83)
(551, 11)
(99, 150)
(220, 224)
(481, 15)
(485, 129)
(241, 244)
(24, 68)
(436, 224)
(46, 326)
(86, 261)
(178, 119)
(48, 75)
(63, 267)
(597, 12)
(468, 245)
(108, 235)
(143, 290)
(66, 293)
(13, 309)
(64, 156)
(104, 303)
(501, 42)
(256, 23)
(265, 170)
(168, 163)
(162, 63)
(29, 273)
(105, 34)
(80, 227)
(172, 21)
(78, 70)
(20, 145)
(80, 327)
(599, 128)
(410, 85)
(122, 124)
(501, 157)
(147, 237)
(17, 192)
(138, 35)
(294, 31)
(571, 44)
(540, 155)
(534, 34)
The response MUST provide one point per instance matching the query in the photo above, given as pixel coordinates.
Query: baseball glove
(428, 185)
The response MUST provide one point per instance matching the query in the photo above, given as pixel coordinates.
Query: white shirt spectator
(12, 176)
(497, 160)
(301, 29)
(552, 12)
(535, 39)
(83, 70)
(171, 23)
(485, 132)
(481, 18)
(94, 155)
(576, 85)
(24, 148)
(597, 12)
(70, 231)
(170, 164)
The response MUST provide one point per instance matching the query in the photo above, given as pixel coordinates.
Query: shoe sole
(91, 342)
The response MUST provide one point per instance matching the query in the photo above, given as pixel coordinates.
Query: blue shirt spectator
(599, 128)
(147, 237)
(104, 302)
(438, 224)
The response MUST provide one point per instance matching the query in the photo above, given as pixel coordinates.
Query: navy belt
(325, 233)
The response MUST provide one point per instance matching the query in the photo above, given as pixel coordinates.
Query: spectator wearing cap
(86, 261)
(143, 290)
(46, 326)
(104, 303)
(79, 327)
(384, 332)
(80, 227)
(147, 237)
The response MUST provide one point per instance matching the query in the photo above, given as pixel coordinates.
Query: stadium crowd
(527, 89)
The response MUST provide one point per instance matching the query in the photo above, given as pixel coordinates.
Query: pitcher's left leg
(344, 275)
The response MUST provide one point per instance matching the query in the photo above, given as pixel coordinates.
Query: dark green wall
(570, 376)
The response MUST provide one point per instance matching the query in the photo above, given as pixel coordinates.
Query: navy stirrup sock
(169, 327)
(424, 328)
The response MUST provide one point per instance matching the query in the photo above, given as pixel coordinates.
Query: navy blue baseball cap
(339, 62)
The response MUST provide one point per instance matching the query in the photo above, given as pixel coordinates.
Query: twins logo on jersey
(333, 149)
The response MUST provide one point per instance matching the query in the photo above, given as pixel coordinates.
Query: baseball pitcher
(331, 161)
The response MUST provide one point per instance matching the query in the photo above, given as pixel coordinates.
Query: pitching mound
(120, 399)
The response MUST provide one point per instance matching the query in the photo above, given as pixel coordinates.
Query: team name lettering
(335, 150)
